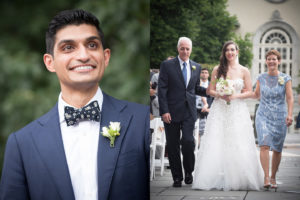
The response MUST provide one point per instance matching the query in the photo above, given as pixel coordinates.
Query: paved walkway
(288, 179)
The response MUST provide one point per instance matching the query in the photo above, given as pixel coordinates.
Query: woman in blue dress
(272, 117)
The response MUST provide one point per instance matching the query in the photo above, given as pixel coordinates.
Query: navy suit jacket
(35, 165)
(173, 95)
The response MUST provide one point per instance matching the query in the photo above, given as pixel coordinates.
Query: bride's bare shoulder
(216, 68)
(246, 73)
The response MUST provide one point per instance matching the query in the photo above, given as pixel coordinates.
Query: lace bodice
(272, 93)
(238, 84)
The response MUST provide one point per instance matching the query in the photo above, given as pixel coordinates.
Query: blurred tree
(245, 52)
(28, 90)
(127, 32)
(206, 22)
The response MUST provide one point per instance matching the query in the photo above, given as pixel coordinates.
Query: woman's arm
(256, 93)
(289, 101)
(211, 90)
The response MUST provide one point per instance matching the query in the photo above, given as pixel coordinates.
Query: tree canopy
(206, 22)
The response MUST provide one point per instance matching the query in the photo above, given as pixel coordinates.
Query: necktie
(184, 72)
(88, 112)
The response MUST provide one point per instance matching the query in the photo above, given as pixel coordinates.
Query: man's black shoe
(177, 183)
(188, 178)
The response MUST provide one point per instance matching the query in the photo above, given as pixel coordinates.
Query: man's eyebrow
(93, 38)
(65, 41)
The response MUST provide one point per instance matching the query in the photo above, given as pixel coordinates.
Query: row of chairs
(158, 139)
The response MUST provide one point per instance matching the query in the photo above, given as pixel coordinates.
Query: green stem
(112, 142)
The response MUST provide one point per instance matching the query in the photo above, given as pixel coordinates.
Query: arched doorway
(279, 35)
(280, 40)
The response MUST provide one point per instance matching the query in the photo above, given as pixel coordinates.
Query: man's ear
(106, 53)
(48, 60)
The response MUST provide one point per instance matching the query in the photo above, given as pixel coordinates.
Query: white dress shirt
(81, 147)
(205, 85)
(188, 69)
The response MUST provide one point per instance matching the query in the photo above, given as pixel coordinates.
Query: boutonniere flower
(111, 132)
(280, 80)
(193, 67)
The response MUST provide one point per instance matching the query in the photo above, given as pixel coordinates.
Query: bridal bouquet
(224, 87)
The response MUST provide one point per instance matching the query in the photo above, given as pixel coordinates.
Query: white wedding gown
(228, 159)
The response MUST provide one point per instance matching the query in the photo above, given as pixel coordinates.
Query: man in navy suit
(63, 154)
(179, 80)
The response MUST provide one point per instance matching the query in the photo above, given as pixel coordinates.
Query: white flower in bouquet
(224, 87)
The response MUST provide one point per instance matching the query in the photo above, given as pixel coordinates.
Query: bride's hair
(223, 66)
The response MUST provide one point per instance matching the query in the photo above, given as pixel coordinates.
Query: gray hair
(184, 38)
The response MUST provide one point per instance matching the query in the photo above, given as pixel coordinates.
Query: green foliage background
(206, 22)
(28, 90)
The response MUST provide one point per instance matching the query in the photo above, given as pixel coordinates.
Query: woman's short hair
(273, 52)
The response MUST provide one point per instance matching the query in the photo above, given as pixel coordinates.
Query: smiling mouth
(82, 68)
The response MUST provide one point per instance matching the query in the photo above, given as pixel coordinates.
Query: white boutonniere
(193, 67)
(280, 80)
(111, 132)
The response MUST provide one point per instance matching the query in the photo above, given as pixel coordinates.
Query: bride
(227, 159)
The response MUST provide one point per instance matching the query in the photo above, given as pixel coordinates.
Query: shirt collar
(61, 104)
(181, 62)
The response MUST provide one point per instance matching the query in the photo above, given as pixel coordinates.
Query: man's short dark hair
(70, 17)
(204, 68)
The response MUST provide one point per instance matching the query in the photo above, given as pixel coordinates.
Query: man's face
(78, 57)
(204, 75)
(184, 50)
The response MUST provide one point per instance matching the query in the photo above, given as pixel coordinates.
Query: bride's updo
(223, 66)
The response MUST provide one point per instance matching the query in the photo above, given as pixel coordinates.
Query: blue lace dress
(272, 111)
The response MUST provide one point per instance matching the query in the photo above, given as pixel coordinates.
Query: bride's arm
(211, 90)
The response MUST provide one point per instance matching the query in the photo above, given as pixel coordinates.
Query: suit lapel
(191, 68)
(178, 70)
(112, 111)
(48, 141)
(192, 74)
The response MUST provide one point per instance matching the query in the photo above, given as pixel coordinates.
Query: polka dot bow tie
(88, 112)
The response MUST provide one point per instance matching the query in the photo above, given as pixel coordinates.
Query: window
(281, 41)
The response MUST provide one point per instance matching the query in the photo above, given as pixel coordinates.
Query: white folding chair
(152, 150)
(158, 139)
